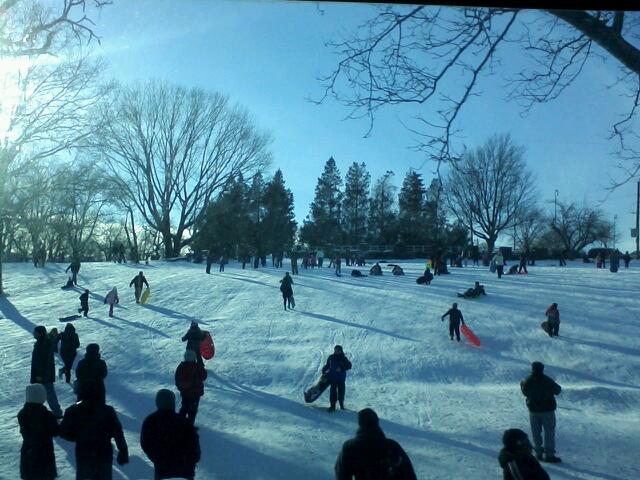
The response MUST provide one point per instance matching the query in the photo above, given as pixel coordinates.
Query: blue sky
(266, 56)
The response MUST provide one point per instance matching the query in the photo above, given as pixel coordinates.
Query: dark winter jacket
(38, 426)
(92, 368)
(74, 267)
(189, 378)
(43, 368)
(84, 300)
(553, 314)
(171, 443)
(397, 270)
(376, 270)
(69, 342)
(520, 466)
(91, 425)
(336, 367)
(193, 337)
(540, 391)
(455, 316)
(138, 281)
(372, 456)
(286, 286)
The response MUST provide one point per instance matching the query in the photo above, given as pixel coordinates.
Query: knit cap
(165, 400)
(35, 393)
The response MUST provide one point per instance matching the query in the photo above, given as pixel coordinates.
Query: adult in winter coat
(91, 424)
(516, 460)
(193, 337)
(428, 276)
(499, 261)
(523, 264)
(336, 372)
(69, 343)
(137, 283)
(75, 268)
(111, 299)
(294, 263)
(38, 426)
(338, 263)
(92, 369)
(84, 303)
(626, 258)
(371, 455)
(553, 318)
(287, 290)
(455, 317)
(43, 367)
(189, 378)
(540, 391)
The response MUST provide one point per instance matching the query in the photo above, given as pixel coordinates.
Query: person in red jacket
(189, 378)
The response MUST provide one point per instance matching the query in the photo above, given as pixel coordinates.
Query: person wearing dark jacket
(540, 391)
(474, 292)
(69, 343)
(189, 378)
(428, 276)
(553, 319)
(91, 424)
(84, 303)
(516, 459)
(43, 367)
(92, 369)
(523, 264)
(455, 317)
(193, 337)
(626, 258)
(38, 426)
(336, 372)
(371, 455)
(137, 283)
(376, 269)
(169, 440)
(75, 268)
(287, 290)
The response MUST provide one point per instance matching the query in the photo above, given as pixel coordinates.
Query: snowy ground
(446, 403)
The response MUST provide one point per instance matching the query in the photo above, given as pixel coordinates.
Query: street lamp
(615, 217)
(555, 206)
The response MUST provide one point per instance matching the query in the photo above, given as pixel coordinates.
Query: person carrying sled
(38, 426)
(336, 372)
(376, 269)
(75, 268)
(455, 317)
(92, 368)
(111, 299)
(84, 303)
(474, 292)
(287, 291)
(372, 455)
(43, 367)
(516, 460)
(541, 391)
(498, 259)
(137, 283)
(553, 319)
(189, 379)
(69, 343)
(193, 337)
(169, 440)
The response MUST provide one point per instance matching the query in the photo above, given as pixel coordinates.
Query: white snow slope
(446, 403)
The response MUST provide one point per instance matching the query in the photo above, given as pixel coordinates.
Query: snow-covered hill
(446, 403)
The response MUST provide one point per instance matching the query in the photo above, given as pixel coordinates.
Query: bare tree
(529, 226)
(436, 57)
(172, 149)
(577, 226)
(488, 187)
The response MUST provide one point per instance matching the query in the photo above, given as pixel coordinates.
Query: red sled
(469, 335)
(207, 348)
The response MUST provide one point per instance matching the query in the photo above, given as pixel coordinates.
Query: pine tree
(382, 228)
(411, 212)
(322, 226)
(278, 224)
(256, 213)
(355, 205)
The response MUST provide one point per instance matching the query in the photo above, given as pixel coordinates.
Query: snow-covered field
(446, 403)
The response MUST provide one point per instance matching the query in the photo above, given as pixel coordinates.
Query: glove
(123, 457)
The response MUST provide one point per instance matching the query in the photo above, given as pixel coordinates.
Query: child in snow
(397, 270)
(476, 291)
(84, 303)
(336, 372)
(69, 285)
(428, 276)
(111, 299)
(287, 290)
(553, 318)
(455, 317)
(189, 378)
(516, 458)
(69, 343)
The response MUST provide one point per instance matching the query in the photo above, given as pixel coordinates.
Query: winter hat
(189, 356)
(35, 393)
(165, 400)
(338, 348)
(194, 324)
(514, 439)
(93, 348)
(39, 331)
(537, 367)
(368, 418)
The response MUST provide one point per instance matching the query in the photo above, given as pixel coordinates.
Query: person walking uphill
(371, 455)
(38, 426)
(137, 283)
(43, 367)
(336, 372)
(169, 440)
(540, 391)
(455, 317)
(189, 378)
(91, 425)
(499, 261)
(553, 318)
(84, 303)
(75, 268)
(69, 343)
(287, 291)
(516, 459)
(92, 369)
(193, 337)
(111, 299)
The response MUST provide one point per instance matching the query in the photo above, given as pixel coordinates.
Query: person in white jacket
(111, 299)
(320, 257)
(499, 261)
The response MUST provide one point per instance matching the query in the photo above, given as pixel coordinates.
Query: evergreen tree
(411, 212)
(278, 224)
(256, 213)
(322, 226)
(382, 228)
(355, 205)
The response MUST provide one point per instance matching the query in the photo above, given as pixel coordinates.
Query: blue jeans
(543, 421)
(52, 399)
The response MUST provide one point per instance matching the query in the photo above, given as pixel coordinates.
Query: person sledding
(376, 269)
(397, 270)
(287, 291)
(336, 372)
(455, 317)
(513, 270)
(474, 292)
(69, 285)
(137, 283)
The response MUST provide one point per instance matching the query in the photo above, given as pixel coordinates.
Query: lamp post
(555, 206)
(615, 217)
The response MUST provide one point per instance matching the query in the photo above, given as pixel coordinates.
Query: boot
(552, 459)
